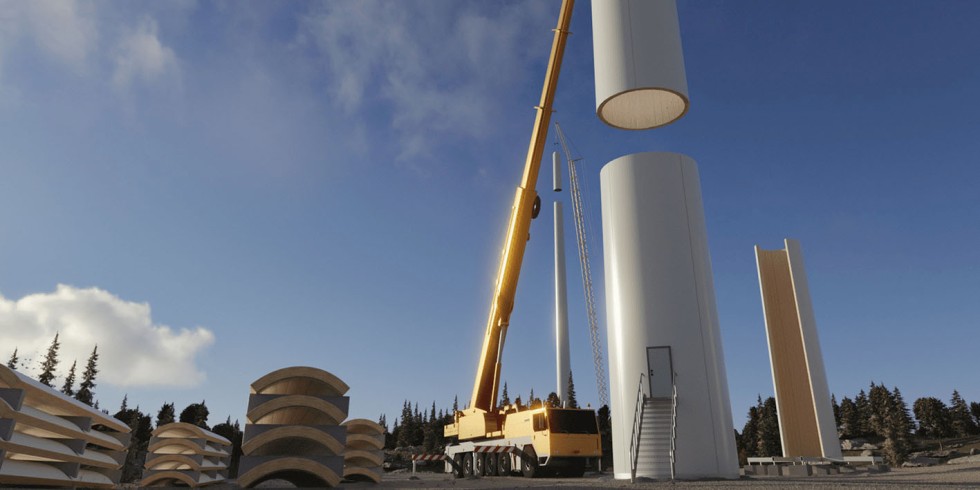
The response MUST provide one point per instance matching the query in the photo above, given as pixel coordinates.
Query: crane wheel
(503, 464)
(468, 464)
(458, 471)
(479, 464)
(536, 207)
(529, 462)
(490, 465)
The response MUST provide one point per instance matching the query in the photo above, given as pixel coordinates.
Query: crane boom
(487, 381)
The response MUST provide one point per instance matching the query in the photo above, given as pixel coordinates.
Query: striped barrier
(429, 457)
(496, 449)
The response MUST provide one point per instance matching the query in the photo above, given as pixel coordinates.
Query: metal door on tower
(660, 372)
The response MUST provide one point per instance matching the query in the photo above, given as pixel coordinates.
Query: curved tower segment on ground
(187, 455)
(293, 429)
(50, 439)
(364, 454)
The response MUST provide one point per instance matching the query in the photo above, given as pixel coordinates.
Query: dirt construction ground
(944, 476)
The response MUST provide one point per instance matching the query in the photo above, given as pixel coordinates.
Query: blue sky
(222, 189)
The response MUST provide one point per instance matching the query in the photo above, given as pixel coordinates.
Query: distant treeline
(880, 414)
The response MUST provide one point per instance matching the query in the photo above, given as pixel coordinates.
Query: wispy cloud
(435, 68)
(133, 350)
(63, 30)
(142, 57)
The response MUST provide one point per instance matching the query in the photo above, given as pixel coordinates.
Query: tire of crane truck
(503, 464)
(479, 464)
(458, 469)
(467, 464)
(490, 464)
(529, 462)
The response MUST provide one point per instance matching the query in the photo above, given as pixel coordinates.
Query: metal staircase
(654, 436)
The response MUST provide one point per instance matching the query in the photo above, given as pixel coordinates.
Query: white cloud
(439, 67)
(142, 57)
(133, 351)
(64, 30)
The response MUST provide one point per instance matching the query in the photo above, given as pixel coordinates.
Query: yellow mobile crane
(491, 440)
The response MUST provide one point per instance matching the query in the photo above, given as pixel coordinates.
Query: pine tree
(959, 414)
(572, 401)
(836, 407)
(975, 411)
(553, 400)
(69, 387)
(850, 423)
(12, 363)
(504, 397)
(85, 393)
(124, 406)
(879, 405)
(933, 417)
(749, 438)
(455, 403)
(166, 415)
(898, 431)
(769, 440)
(863, 415)
(407, 428)
(50, 363)
(197, 414)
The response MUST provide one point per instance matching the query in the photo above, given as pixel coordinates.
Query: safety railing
(637, 419)
(673, 431)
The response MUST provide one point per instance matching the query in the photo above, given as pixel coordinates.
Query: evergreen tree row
(878, 414)
(86, 389)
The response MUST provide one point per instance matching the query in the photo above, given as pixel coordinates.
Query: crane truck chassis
(489, 440)
(541, 441)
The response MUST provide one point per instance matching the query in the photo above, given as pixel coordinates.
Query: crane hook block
(536, 207)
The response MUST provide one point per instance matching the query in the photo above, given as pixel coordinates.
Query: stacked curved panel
(293, 429)
(185, 454)
(50, 439)
(365, 450)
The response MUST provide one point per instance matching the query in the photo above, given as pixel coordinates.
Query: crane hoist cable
(578, 210)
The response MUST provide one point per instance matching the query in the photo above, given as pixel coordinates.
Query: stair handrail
(635, 438)
(673, 430)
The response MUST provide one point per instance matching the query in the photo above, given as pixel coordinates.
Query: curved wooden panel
(291, 433)
(300, 380)
(176, 430)
(353, 472)
(296, 410)
(363, 426)
(167, 478)
(286, 465)
(184, 446)
(357, 457)
(365, 442)
(41, 424)
(54, 402)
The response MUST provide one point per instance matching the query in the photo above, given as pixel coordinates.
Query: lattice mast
(578, 212)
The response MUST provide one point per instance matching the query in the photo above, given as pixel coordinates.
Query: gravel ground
(945, 476)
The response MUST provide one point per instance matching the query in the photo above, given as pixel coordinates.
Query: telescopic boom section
(512, 256)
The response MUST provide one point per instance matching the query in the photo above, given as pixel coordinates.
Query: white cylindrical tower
(661, 318)
(561, 309)
(556, 171)
(640, 82)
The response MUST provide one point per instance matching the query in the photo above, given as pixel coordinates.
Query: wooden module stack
(50, 439)
(185, 454)
(364, 453)
(293, 429)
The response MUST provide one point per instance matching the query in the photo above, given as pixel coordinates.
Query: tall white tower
(665, 353)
